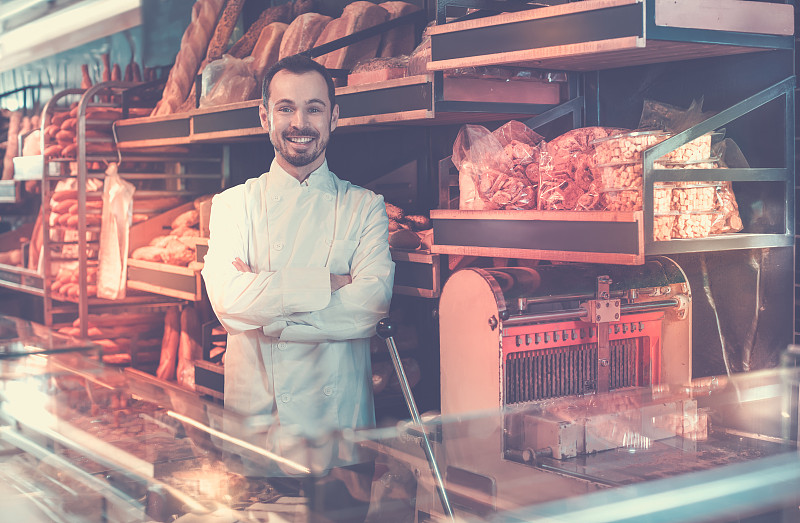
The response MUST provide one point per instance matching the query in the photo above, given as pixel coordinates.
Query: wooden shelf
(402, 101)
(604, 34)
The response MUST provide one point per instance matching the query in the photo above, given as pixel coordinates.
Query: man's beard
(299, 159)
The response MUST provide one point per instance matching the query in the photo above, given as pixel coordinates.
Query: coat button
(277, 246)
(327, 390)
(285, 398)
(328, 197)
(282, 345)
(328, 241)
(276, 197)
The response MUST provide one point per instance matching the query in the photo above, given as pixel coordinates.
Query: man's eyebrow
(284, 101)
(316, 101)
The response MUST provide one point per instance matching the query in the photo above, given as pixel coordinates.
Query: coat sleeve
(355, 309)
(243, 301)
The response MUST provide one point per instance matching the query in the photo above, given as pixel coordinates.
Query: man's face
(299, 118)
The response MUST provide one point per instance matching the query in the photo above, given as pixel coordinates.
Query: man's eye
(284, 109)
(315, 110)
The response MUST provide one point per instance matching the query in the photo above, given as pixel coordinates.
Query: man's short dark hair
(297, 64)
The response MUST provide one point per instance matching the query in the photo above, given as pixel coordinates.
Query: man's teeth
(300, 139)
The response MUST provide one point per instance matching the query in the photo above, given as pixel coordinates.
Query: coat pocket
(341, 257)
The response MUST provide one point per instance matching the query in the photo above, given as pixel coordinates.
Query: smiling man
(298, 272)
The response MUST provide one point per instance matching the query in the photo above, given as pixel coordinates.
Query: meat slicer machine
(550, 364)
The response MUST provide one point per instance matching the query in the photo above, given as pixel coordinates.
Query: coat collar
(320, 179)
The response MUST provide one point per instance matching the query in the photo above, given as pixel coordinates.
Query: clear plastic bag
(567, 170)
(114, 235)
(669, 118)
(227, 80)
(498, 171)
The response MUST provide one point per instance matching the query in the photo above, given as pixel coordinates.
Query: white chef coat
(295, 349)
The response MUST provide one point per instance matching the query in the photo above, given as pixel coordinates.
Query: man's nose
(299, 119)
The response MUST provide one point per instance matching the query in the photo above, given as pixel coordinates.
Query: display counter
(94, 443)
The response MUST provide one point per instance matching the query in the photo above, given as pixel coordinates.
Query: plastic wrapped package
(694, 225)
(227, 80)
(567, 170)
(420, 57)
(669, 118)
(727, 219)
(499, 180)
(662, 226)
(115, 235)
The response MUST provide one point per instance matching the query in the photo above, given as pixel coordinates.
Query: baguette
(189, 347)
(193, 48)
(169, 345)
(222, 34)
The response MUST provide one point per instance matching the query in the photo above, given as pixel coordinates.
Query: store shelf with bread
(87, 186)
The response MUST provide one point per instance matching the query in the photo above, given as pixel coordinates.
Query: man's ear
(263, 114)
(334, 117)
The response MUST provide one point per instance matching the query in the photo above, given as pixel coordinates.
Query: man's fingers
(241, 266)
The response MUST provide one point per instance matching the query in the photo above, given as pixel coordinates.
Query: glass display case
(86, 442)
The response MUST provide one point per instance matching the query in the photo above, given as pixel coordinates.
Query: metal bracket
(602, 311)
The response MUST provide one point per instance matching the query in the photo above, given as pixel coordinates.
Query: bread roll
(400, 40)
(356, 17)
(302, 33)
(267, 49)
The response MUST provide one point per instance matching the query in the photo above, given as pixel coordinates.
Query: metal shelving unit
(176, 179)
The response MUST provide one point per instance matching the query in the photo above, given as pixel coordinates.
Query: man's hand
(241, 266)
(337, 281)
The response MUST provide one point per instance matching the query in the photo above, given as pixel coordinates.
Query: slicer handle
(385, 329)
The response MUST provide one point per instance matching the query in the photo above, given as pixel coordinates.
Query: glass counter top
(112, 444)
(20, 338)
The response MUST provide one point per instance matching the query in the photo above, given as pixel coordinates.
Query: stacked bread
(61, 135)
(125, 338)
(408, 231)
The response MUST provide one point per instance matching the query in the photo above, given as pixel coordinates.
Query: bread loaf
(190, 347)
(194, 45)
(356, 17)
(302, 33)
(244, 46)
(267, 49)
(14, 125)
(222, 34)
(398, 41)
(169, 345)
(301, 7)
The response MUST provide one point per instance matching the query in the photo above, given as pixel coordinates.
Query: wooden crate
(161, 278)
